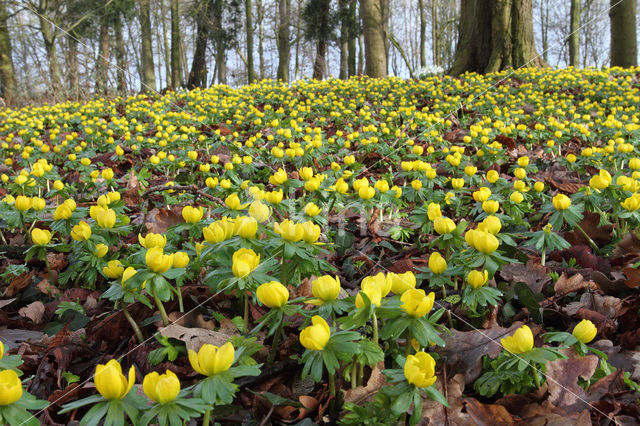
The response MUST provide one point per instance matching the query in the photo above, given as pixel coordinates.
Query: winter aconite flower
(192, 214)
(161, 388)
(10, 387)
(585, 331)
(316, 336)
(114, 269)
(324, 289)
(157, 261)
(289, 230)
(561, 202)
(180, 259)
(416, 303)
(210, 359)
(244, 262)
(81, 231)
(273, 294)
(477, 279)
(520, 342)
(110, 381)
(444, 225)
(152, 240)
(437, 264)
(419, 370)
(40, 237)
(400, 283)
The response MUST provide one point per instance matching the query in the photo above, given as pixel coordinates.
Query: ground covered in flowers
(438, 251)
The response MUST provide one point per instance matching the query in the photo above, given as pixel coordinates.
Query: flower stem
(536, 377)
(180, 304)
(354, 375)
(246, 312)
(207, 417)
(283, 277)
(274, 344)
(133, 324)
(375, 328)
(543, 255)
(407, 348)
(163, 313)
(588, 238)
(332, 384)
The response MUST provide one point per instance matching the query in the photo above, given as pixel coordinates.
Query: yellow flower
(325, 288)
(482, 194)
(105, 218)
(259, 211)
(278, 178)
(457, 183)
(244, 262)
(416, 184)
(10, 387)
(444, 225)
(437, 264)
(601, 180)
(233, 202)
(401, 282)
(273, 294)
(485, 242)
(180, 259)
(192, 214)
(305, 173)
(128, 273)
(520, 173)
(161, 388)
(523, 161)
(22, 203)
(538, 186)
(415, 303)
(311, 209)
(152, 240)
(274, 197)
(289, 230)
(1, 349)
(585, 331)
(38, 203)
(113, 269)
(561, 202)
(157, 261)
(490, 224)
(245, 227)
(433, 211)
(470, 170)
(62, 212)
(81, 231)
(101, 250)
(520, 342)
(40, 237)
(366, 192)
(631, 203)
(419, 370)
(490, 206)
(58, 185)
(517, 197)
(107, 174)
(110, 381)
(311, 232)
(212, 359)
(493, 176)
(316, 336)
(477, 279)
(382, 185)
(312, 184)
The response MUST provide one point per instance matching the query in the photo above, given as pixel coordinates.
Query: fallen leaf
(18, 284)
(434, 413)
(34, 311)
(562, 379)
(159, 220)
(47, 288)
(576, 283)
(464, 350)
(363, 394)
(532, 274)
(630, 243)
(6, 302)
(488, 414)
(194, 338)
(633, 276)
(57, 261)
(600, 234)
(131, 195)
(608, 306)
(610, 287)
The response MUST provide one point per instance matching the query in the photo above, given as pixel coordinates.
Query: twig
(187, 188)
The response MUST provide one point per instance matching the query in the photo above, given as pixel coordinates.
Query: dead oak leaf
(34, 311)
(562, 379)
(577, 282)
(363, 394)
(194, 338)
(533, 274)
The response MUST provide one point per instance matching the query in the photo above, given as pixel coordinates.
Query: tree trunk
(249, 27)
(176, 66)
(574, 34)
(147, 71)
(624, 47)
(198, 73)
(121, 78)
(102, 61)
(495, 36)
(544, 28)
(282, 39)
(319, 64)
(353, 35)
(435, 33)
(165, 42)
(423, 34)
(72, 64)
(220, 43)
(260, 17)
(343, 13)
(7, 71)
(49, 37)
(375, 43)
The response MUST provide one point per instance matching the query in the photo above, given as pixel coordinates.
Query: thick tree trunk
(121, 78)
(198, 73)
(624, 47)
(7, 71)
(574, 34)
(375, 43)
(343, 12)
(282, 39)
(176, 66)
(495, 36)
(102, 61)
(353, 35)
(72, 66)
(147, 71)
(49, 38)
(319, 64)
(220, 43)
(249, 28)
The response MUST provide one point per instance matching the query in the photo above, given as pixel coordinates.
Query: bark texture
(147, 71)
(249, 29)
(574, 34)
(494, 36)
(375, 37)
(624, 47)
(282, 39)
(7, 72)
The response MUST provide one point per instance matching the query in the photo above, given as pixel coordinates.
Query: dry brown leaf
(57, 261)
(47, 288)
(131, 195)
(633, 276)
(191, 319)
(18, 284)
(608, 306)
(488, 414)
(577, 282)
(158, 221)
(363, 394)
(194, 338)
(434, 413)
(629, 244)
(532, 274)
(590, 223)
(288, 414)
(7, 302)
(562, 379)
(34, 311)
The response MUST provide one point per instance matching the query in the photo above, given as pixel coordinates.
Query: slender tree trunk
(574, 34)
(282, 39)
(495, 36)
(102, 61)
(544, 28)
(423, 33)
(353, 35)
(375, 40)
(220, 43)
(343, 12)
(148, 74)
(176, 66)
(248, 11)
(7, 71)
(624, 46)
(198, 73)
(49, 37)
(260, 17)
(296, 67)
(435, 33)
(165, 41)
(72, 64)
(121, 63)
